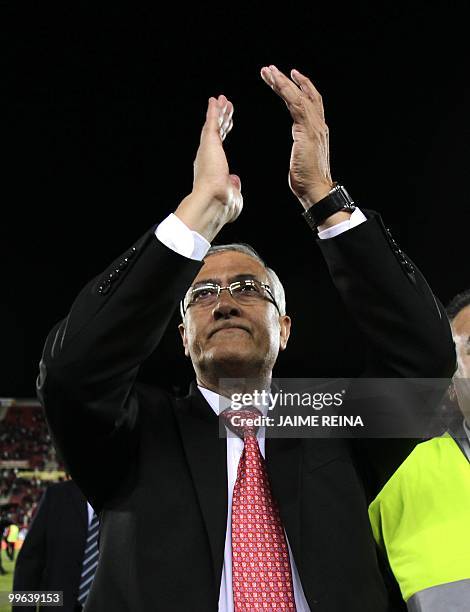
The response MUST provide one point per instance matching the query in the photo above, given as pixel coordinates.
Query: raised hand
(309, 172)
(216, 197)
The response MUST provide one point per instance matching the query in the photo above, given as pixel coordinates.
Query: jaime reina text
(313, 420)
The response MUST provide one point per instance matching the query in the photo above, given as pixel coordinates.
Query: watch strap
(338, 199)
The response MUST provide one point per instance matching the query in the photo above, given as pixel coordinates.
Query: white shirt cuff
(177, 236)
(356, 218)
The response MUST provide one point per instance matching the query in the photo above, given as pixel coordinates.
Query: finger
(226, 118)
(304, 83)
(307, 87)
(228, 121)
(226, 111)
(217, 117)
(267, 76)
(235, 196)
(222, 101)
(281, 84)
(224, 132)
(222, 106)
(230, 110)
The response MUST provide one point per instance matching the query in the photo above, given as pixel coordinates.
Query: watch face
(345, 195)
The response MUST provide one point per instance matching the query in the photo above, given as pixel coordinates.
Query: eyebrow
(233, 279)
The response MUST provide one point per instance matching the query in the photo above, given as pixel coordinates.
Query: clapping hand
(309, 172)
(216, 197)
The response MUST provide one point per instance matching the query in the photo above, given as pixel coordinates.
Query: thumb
(235, 180)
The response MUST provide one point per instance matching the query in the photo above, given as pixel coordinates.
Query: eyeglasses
(245, 292)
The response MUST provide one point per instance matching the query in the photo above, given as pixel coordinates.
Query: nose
(225, 306)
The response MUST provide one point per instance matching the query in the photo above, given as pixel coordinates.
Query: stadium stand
(28, 462)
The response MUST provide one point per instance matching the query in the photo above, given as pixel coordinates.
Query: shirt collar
(218, 403)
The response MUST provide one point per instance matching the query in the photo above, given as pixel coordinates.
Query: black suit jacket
(155, 467)
(52, 554)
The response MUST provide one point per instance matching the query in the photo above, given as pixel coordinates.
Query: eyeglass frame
(248, 281)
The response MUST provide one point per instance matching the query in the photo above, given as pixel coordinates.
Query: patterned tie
(261, 571)
(90, 560)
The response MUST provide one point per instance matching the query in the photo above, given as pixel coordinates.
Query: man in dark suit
(52, 553)
(155, 466)
(4, 522)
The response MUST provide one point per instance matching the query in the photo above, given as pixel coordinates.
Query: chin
(234, 362)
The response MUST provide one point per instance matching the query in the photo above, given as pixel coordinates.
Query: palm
(306, 165)
(309, 171)
(211, 169)
(211, 161)
(299, 171)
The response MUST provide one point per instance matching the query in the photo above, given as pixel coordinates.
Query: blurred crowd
(25, 438)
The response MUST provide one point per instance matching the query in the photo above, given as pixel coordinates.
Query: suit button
(132, 252)
(104, 288)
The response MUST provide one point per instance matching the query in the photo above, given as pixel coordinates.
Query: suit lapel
(283, 463)
(207, 459)
(79, 503)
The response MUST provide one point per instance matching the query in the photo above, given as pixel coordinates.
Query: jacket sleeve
(406, 331)
(31, 561)
(405, 326)
(91, 359)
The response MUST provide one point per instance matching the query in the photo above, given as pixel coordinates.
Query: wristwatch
(337, 199)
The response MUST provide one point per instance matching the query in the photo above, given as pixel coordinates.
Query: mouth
(230, 329)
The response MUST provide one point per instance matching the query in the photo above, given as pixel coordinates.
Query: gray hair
(274, 282)
(273, 279)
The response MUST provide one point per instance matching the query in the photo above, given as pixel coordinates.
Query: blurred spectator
(60, 550)
(24, 435)
(4, 522)
(420, 518)
(11, 537)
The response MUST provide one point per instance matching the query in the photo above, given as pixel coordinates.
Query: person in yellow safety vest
(421, 517)
(11, 537)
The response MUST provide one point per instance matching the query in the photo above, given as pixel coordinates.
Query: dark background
(103, 109)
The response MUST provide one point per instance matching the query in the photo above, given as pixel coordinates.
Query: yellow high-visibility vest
(421, 517)
(13, 532)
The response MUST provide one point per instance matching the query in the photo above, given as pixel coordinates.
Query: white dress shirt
(179, 238)
(234, 452)
(90, 513)
(174, 234)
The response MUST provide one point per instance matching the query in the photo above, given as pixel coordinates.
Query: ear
(182, 332)
(284, 331)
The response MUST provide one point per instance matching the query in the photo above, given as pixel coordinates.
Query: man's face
(461, 333)
(229, 337)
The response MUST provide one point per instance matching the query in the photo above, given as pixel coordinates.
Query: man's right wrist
(201, 214)
(174, 234)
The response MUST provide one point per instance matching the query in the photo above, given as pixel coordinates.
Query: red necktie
(261, 571)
